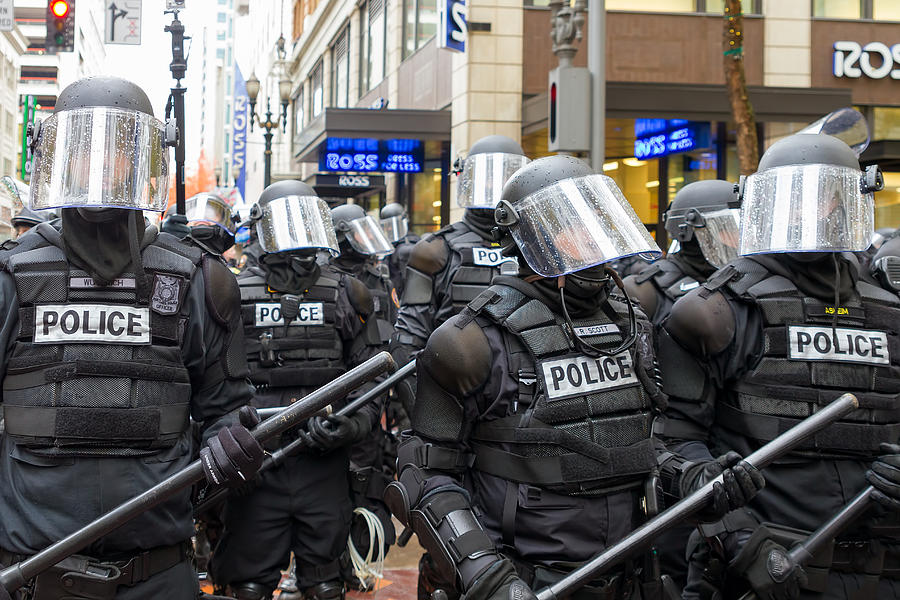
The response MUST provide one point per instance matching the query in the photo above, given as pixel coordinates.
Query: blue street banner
(239, 135)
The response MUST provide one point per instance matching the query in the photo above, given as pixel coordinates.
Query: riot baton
(803, 552)
(642, 537)
(17, 575)
(401, 373)
(276, 458)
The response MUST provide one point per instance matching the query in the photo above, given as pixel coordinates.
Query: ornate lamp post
(268, 124)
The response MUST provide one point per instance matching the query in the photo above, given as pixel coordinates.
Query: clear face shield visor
(208, 209)
(807, 208)
(483, 176)
(717, 233)
(296, 222)
(395, 228)
(366, 237)
(576, 224)
(101, 157)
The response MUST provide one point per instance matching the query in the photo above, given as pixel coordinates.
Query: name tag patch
(310, 313)
(490, 257)
(91, 323)
(578, 375)
(844, 345)
(597, 330)
(82, 283)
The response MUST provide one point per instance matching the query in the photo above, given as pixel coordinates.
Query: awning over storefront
(368, 123)
(700, 103)
(345, 186)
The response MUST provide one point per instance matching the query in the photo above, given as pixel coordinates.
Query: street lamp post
(268, 124)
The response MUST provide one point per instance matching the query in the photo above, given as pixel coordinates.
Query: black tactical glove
(768, 568)
(334, 431)
(740, 482)
(499, 582)
(233, 456)
(884, 475)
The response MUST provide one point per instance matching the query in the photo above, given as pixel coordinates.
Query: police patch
(597, 330)
(91, 323)
(490, 257)
(166, 294)
(577, 375)
(308, 313)
(840, 344)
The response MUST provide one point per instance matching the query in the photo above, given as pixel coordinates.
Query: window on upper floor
(221, 17)
(420, 21)
(878, 10)
(372, 44)
(750, 7)
(340, 70)
(299, 113)
(317, 98)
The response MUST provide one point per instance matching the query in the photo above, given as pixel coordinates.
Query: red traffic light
(59, 8)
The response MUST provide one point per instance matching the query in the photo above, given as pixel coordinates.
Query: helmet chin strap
(582, 343)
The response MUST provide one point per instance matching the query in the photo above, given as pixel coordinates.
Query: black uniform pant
(303, 506)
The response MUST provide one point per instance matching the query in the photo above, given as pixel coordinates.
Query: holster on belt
(86, 578)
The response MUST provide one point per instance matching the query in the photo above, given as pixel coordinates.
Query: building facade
(369, 74)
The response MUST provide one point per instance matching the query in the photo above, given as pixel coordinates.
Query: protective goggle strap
(582, 343)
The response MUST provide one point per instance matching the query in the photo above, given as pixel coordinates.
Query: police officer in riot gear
(112, 340)
(702, 220)
(395, 224)
(303, 324)
(788, 327)
(447, 269)
(25, 219)
(363, 244)
(208, 223)
(531, 439)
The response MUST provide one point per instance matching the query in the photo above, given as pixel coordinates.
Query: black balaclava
(290, 272)
(103, 246)
(822, 275)
(481, 220)
(691, 260)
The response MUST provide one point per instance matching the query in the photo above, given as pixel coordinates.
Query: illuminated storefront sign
(659, 137)
(371, 155)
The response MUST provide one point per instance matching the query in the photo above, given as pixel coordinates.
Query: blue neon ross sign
(660, 137)
(370, 155)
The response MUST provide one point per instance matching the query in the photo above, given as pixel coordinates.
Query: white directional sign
(6, 15)
(123, 21)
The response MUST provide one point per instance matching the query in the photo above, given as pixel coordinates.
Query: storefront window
(886, 123)
(887, 202)
(837, 9)
(886, 10)
(639, 181)
(425, 200)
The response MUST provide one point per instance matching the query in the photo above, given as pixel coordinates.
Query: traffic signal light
(569, 114)
(60, 26)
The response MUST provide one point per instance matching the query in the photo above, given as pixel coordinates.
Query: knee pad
(327, 590)
(251, 591)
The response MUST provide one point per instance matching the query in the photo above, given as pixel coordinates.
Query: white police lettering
(577, 375)
(597, 330)
(490, 257)
(80, 283)
(844, 345)
(309, 313)
(91, 323)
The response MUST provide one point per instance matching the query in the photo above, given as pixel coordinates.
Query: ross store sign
(454, 26)
(372, 155)
(660, 137)
(875, 60)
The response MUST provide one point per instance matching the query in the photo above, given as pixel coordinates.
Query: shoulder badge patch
(166, 296)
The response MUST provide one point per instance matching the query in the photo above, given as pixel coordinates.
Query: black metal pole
(17, 575)
(277, 457)
(643, 536)
(178, 67)
(267, 177)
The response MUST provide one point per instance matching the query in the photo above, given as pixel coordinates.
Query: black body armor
(670, 282)
(95, 370)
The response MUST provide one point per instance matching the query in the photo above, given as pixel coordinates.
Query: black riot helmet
(565, 220)
(289, 215)
(360, 231)
(809, 195)
(705, 212)
(29, 218)
(490, 163)
(101, 148)
(394, 221)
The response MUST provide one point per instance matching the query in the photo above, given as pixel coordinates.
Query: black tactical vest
(480, 263)
(671, 283)
(581, 424)
(310, 353)
(376, 277)
(96, 371)
(805, 364)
